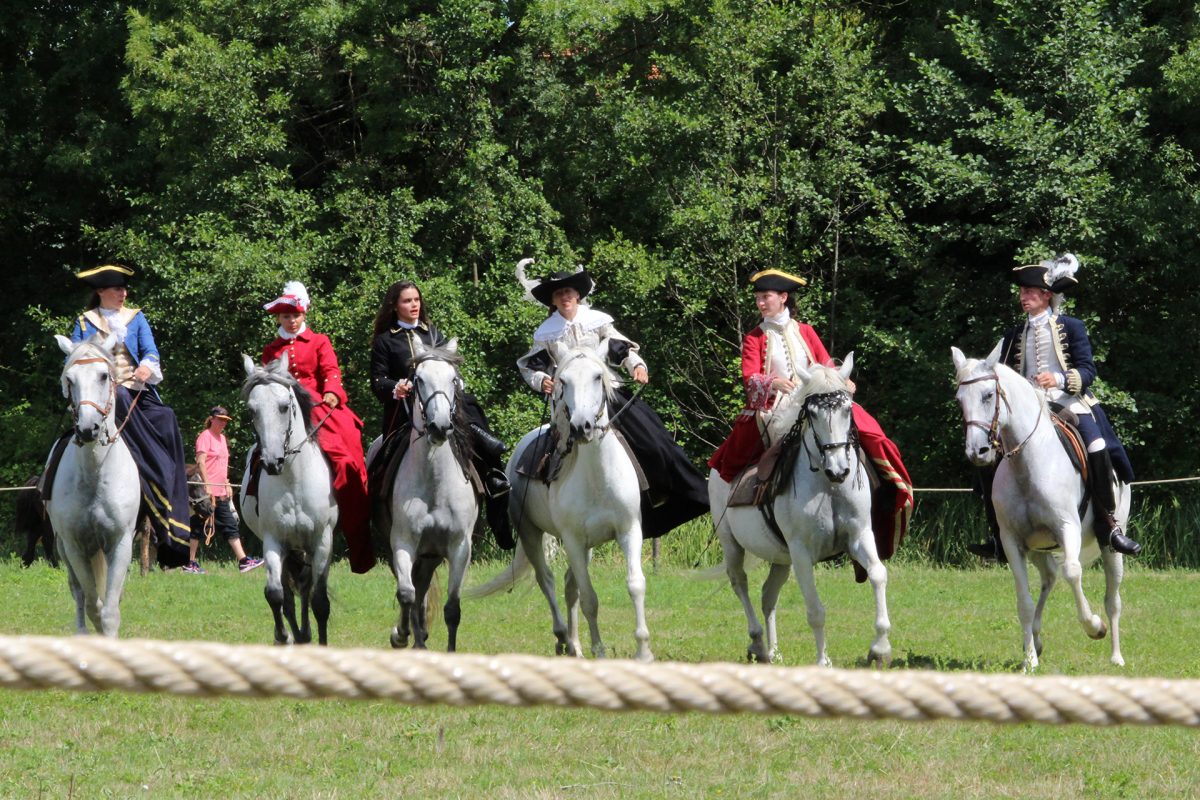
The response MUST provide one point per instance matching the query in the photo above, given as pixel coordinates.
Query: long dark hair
(386, 315)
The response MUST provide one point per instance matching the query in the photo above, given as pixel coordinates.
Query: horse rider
(677, 492)
(1053, 351)
(148, 425)
(312, 362)
(771, 353)
(401, 322)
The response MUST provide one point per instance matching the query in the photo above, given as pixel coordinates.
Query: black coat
(391, 361)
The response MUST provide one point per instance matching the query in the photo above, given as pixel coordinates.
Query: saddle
(543, 458)
(1066, 426)
(46, 481)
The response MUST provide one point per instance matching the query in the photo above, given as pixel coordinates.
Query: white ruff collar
(287, 337)
(1040, 319)
(779, 321)
(555, 327)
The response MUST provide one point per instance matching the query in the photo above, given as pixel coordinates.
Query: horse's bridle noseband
(993, 430)
(425, 401)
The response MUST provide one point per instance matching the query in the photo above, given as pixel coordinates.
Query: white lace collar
(555, 326)
(287, 337)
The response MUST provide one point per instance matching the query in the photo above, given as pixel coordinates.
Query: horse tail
(100, 574)
(517, 570)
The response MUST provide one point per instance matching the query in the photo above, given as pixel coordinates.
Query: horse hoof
(879, 660)
(398, 642)
(1100, 634)
(1117, 661)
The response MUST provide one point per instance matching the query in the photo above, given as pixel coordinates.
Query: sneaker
(194, 568)
(248, 563)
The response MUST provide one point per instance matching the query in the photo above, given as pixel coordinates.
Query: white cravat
(289, 336)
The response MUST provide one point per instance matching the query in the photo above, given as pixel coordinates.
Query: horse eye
(987, 396)
(283, 408)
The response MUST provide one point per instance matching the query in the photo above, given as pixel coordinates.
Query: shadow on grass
(948, 664)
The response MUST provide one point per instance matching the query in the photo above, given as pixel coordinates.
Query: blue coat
(1074, 350)
(138, 338)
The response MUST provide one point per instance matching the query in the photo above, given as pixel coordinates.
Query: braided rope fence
(206, 669)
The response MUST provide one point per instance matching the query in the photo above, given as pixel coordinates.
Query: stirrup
(496, 483)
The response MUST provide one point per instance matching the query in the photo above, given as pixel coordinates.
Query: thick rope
(93, 663)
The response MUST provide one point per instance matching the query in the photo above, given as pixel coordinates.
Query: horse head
(199, 502)
(279, 406)
(583, 386)
(979, 396)
(825, 403)
(438, 389)
(89, 382)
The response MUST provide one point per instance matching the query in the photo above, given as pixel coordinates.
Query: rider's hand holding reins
(1046, 380)
(403, 387)
(641, 375)
(330, 399)
(141, 374)
(782, 384)
(547, 385)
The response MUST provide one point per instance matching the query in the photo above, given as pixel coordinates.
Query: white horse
(96, 494)
(295, 511)
(434, 505)
(594, 498)
(822, 511)
(1037, 494)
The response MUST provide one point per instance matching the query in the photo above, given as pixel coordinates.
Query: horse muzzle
(273, 466)
(837, 476)
(584, 431)
(984, 456)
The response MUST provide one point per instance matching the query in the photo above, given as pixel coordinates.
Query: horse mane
(822, 380)
(465, 442)
(263, 377)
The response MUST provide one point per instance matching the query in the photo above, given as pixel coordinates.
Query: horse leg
(422, 576)
(118, 557)
(578, 556)
(635, 582)
(320, 590)
(571, 589)
(1020, 573)
(460, 557)
(771, 587)
(1072, 572)
(76, 592)
(273, 591)
(735, 568)
(531, 543)
(145, 532)
(1045, 566)
(862, 549)
(803, 567)
(406, 593)
(1114, 571)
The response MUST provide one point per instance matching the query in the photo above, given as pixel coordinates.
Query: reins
(107, 408)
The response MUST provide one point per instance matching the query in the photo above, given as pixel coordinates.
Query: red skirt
(340, 438)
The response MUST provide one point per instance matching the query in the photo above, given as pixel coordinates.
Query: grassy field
(56, 744)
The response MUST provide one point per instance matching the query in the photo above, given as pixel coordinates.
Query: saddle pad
(1072, 442)
(541, 459)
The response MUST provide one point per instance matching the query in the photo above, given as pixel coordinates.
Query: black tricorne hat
(105, 276)
(1053, 275)
(579, 281)
(776, 280)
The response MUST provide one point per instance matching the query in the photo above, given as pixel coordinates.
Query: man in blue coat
(1053, 351)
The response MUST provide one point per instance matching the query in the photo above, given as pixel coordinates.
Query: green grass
(58, 744)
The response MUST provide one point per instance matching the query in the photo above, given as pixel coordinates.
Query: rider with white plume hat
(1054, 352)
(677, 492)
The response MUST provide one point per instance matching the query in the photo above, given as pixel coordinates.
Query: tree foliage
(901, 158)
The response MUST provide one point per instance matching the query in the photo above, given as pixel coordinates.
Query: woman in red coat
(770, 354)
(313, 363)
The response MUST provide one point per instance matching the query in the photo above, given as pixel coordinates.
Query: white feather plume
(296, 289)
(526, 283)
(1064, 266)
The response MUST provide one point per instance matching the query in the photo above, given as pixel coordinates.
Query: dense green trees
(902, 157)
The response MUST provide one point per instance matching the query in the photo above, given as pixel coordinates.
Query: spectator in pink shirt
(212, 458)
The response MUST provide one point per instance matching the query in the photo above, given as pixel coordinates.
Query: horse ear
(802, 375)
(847, 366)
(960, 360)
(64, 344)
(419, 348)
(249, 365)
(279, 366)
(994, 356)
(452, 345)
(109, 342)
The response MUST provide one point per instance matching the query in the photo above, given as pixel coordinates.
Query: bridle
(993, 430)
(600, 410)
(830, 400)
(104, 410)
(425, 401)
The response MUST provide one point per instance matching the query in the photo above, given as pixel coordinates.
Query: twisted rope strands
(422, 678)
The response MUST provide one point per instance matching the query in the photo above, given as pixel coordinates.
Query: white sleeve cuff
(155, 368)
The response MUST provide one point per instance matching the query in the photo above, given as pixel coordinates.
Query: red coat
(313, 363)
(891, 505)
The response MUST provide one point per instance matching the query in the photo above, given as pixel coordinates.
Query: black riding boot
(993, 549)
(488, 445)
(1104, 506)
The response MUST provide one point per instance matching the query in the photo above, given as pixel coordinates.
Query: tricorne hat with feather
(542, 291)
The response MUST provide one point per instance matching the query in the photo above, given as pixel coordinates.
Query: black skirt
(678, 493)
(152, 435)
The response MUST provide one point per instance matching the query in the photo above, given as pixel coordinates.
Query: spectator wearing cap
(677, 492)
(312, 362)
(771, 353)
(212, 460)
(1054, 352)
(150, 429)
